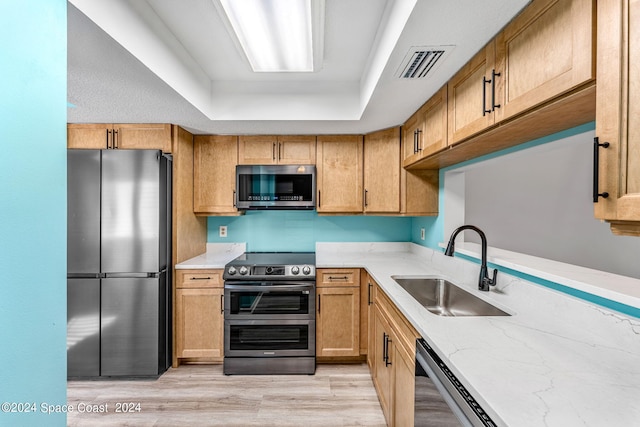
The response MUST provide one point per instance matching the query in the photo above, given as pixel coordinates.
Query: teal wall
(300, 230)
(33, 205)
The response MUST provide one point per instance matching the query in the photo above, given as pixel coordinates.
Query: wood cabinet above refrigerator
(107, 136)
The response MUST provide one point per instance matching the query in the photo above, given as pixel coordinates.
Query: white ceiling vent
(419, 61)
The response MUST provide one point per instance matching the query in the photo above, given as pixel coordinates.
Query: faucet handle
(485, 281)
(492, 281)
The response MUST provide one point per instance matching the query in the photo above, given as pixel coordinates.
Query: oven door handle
(266, 288)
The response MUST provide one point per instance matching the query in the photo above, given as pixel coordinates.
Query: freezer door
(83, 327)
(83, 212)
(130, 326)
(132, 211)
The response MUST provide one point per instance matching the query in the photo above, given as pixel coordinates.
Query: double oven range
(269, 313)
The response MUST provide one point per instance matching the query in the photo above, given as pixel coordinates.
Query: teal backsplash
(300, 230)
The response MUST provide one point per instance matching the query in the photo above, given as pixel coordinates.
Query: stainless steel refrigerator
(118, 263)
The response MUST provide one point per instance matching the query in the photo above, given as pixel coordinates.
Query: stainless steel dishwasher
(440, 399)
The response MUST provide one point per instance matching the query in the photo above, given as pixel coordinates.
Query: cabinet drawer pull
(418, 140)
(319, 303)
(222, 304)
(365, 198)
(369, 302)
(273, 151)
(338, 278)
(199, 278)
(108, 138)
(596, 163)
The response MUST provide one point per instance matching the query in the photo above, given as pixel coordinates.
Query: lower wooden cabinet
(338, 313)
(199, 317)
(392, 355)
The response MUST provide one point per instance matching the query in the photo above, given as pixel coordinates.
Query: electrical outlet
(422, 233)
(223, 231)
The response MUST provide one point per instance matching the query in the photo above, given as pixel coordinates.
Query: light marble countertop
(556, 361)
(216, 256)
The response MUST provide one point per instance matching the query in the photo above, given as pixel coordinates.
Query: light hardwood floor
(201, 395)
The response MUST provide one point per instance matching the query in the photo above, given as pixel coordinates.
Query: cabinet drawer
(338, 277)
(199, 278)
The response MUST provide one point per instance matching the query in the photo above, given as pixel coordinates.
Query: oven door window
(271, 302)
(269, 337)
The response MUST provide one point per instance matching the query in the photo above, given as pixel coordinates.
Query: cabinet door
(214, 174)
(89, 136)
(404, 387)
(469, 97)
(544, 52)
(419, 192)
(618, 107)
(382, 171)
(366, 301)
(257, 150)
(339, 174)
(411, 132)
(199, 323)
(338, 321)
(296, 150)
(383, 364)
(142, 137)
(434, 135)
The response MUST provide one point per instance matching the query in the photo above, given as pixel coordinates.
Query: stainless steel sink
(443, 298)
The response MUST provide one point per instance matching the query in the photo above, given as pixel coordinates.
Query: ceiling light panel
(276, 35)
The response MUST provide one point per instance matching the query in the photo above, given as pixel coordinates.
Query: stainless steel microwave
(276, 187)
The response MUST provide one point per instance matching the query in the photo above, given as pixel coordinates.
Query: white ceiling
(167, 61)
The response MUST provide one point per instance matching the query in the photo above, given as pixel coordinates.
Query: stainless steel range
(269, 312)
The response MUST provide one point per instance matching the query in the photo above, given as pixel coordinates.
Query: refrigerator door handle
(131, 275)
(84, 275)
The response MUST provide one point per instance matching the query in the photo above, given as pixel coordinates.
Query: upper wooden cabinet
(469, 110)
(419, 192)
(382, 171)
(546, 51)
(425, 133)
(617, 113)
(339, 173)
(536, 77)
(120, 136)
(271, 150)
(214, 174)
(391, 189)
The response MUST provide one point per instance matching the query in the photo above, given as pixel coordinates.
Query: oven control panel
(271, 271)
